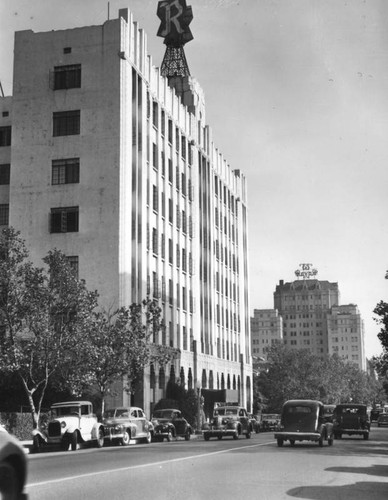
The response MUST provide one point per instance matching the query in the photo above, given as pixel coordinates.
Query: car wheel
(330, 441)
(169, 436)
(248, 435)
(292, 442)
(187, 435)
(320, 441)
(126, 438)
(206, 437)
(74, 441)
(9, 489)
(235, 435)
(148, 438)
(280, 442)
(219, 437)
(366, 436)
(100, 438)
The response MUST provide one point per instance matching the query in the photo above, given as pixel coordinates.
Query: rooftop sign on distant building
(175, 18)
(306, 271)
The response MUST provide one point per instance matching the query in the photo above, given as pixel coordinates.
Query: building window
(66, 123)
(155, 241)
(64, 220)
(5, 136)
(65, 171)
(67, 77)
(155, 114)
(5, 173)
(67, 50)
(4, 214)
(155, 199)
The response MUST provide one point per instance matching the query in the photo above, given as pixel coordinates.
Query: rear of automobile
(299, 422)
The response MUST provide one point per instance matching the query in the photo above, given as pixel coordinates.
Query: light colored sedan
(13, 467)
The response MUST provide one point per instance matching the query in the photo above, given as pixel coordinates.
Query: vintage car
(375, 413)
(169, 423)
(270, 422)
(303, 420)
(351, 419)
(125, 423)
(382, 420)
(13, 467)
(71, 424)
(228, 421)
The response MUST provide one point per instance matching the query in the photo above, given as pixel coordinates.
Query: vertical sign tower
(175, 18)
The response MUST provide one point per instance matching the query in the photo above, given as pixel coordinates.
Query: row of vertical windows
(183, 298)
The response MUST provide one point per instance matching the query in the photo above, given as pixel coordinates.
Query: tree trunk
(33, 411)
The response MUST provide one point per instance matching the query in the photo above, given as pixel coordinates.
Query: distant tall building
(266, 330)
(115, 165)
(346, 334)
(304, 305)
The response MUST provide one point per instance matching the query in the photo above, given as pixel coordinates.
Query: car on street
(270, 422)
(123, 424)
(71, 424)
(303, 420)
(228, 421)
(170, 424)
(13, 467)
(375, 413)
(351, 419)
(382, 420)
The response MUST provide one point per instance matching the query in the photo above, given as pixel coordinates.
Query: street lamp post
(199, 397)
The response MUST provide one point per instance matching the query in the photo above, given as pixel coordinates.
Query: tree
(119, 346)
(43, 312)
(381, 362)
(299, 374)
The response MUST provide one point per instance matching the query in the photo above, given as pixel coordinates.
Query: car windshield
(225, 411)
(351, 410)
(65, 410)
(271, 415)
(163, 414)
(116, 413)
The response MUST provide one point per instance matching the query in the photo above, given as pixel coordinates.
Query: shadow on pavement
(357, 491)
(373, 470)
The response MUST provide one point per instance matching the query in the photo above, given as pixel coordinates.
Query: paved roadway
(197, 470)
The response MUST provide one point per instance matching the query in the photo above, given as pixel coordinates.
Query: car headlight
(63, 424)
(118, 427)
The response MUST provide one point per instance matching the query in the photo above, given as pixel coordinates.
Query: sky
(296, 96)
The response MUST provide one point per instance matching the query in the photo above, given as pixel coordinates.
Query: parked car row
(73, 423)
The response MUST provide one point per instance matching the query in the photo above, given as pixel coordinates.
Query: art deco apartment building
(346, 334)
(266, 330)
(117, 169)
(304, 304)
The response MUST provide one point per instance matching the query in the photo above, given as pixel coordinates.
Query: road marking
(153, 464)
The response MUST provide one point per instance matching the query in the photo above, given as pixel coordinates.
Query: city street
(247, 468)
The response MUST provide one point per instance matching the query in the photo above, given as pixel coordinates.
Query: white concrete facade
(266, 331)
(155, 211)
(346, 334)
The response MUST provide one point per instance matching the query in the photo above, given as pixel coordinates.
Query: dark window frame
(66, 123)
(65, 171)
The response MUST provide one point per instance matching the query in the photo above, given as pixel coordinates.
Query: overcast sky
(297, 97)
